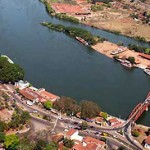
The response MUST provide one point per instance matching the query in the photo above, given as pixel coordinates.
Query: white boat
(127, 64)
(147, 71)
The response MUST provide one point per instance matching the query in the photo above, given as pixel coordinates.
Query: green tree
(40, 145)
(25, 116)
(104, 115)
(48, 104)
(51, 146)
(68, 143)
(10, 72)
(147, 51)
(11, 142)
(3, 126)
(89, 109)
(131, 59)
(84, 125)
(135, 133)
(2, 137)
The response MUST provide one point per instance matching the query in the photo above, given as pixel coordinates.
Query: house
(146, 56)
(79, 147)
(99, 120)
(114, 122)
(32, 95)
(48, 95)
(22, 84)
(147, 142)
(57, 138)
(74, 135)
(93, 144)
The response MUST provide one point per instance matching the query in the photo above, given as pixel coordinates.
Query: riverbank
(108, 18)
(107, 47)
(99, 44)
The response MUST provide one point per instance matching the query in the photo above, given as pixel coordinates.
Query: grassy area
(75, 32)
(96, 8)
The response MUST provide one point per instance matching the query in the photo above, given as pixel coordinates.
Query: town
(26, 110)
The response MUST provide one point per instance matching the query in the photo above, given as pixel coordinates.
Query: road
(125, 140)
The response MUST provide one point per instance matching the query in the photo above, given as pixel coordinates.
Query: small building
(114, 122)
(147, 142)
(74, 135)
(93, 143)
(146, 56)
(99, 120)
(48, 95)
(32, 95)
(22, 84)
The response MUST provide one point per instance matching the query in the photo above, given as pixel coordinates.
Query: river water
(64, 66)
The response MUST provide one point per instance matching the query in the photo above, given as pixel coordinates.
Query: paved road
(126, 140)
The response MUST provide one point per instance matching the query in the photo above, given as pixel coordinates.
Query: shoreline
(107, 47)
(80, 21)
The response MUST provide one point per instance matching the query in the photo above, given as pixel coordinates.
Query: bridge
(139, 109)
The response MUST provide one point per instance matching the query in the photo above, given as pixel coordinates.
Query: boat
(82, 40)
(147, 71)
(127, 64)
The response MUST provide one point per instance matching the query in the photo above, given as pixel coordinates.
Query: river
(64, 66)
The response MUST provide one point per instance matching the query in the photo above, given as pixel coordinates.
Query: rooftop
(147, 140)
(71, 132)
(89, 140)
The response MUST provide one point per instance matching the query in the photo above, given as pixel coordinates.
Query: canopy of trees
(75, 32)
(89, 109)
(48, 104)
(10, 72)
(67, 105)
(11, 141)
(138, 48)
(68, 143)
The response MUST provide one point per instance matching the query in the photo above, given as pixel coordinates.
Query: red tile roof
(79, 147)
(92, 146)
(32, 95)
(144, 55)
(88, 140)
(48, 95)
(113, 120)
(148, 140)
(71, 132)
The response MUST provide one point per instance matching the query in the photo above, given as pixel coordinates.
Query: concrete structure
(10, 61)
(22, 84)
(74, 135)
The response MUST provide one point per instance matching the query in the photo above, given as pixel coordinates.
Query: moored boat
(127, 64)
(147, 71)
(82, 40)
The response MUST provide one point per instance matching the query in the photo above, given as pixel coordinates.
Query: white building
(74, 135)
(22, 84)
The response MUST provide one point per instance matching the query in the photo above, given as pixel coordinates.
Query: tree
(2, 137)
(135, 133)
(3, 126)
(11, 141)
(147, 51)
(131, 59)
(10, 72)
(48, 104)
(67, 105)
(25, 116)
(84, 125)
(104, 115)
(89, 109)
(51, 146)
(40, 145)
(68, 143)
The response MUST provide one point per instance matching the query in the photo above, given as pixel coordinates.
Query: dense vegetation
(48, 7)
(69, 106)
(67, 18)
(138, 48)
(74, 32)
(10, 72)
(96, 7)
